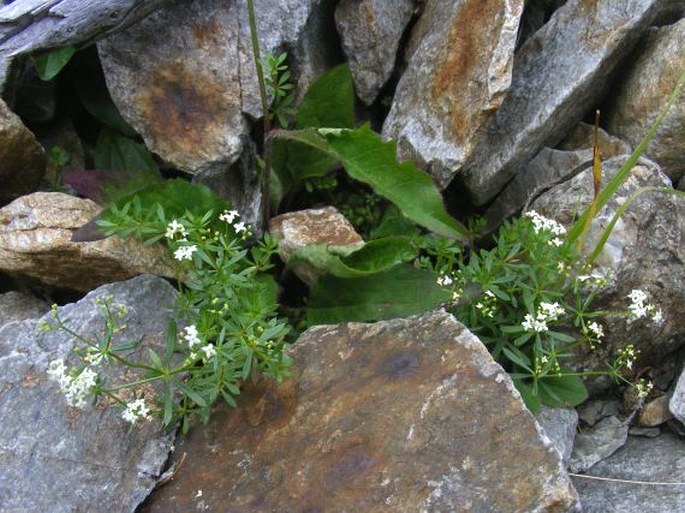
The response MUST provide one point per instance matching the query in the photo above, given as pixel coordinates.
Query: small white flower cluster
(643, 388)
(77, 388)
(488, 306)
(175, 228)
(594, 333)
(185, 252)
(136, 409)
(192, 338)
(445, 280)
(541, 223)
(231, 217)
(626, 356)
(640, 308)
(546, 312)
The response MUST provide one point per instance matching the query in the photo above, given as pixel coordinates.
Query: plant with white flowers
(227, 305)
(531, 305)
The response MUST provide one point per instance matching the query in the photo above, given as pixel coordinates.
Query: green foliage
(117, 152)
(278, 87)
(329, 101)
(398, 292)
(49, 64)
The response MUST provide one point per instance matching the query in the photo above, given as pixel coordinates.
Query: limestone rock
(402, 415)
(186, 97)
(597, 443)
(559, 74)
(677, 403)
(651, 460)
(61, 459)
(646, 251)
(643, 92)
(18, 306)
(456, 78)
(35, 241)
(22, 159)
(303, 228)
(370, 31)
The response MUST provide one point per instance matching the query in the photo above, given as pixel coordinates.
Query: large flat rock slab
(405, 415)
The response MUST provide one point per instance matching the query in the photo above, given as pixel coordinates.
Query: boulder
(560, 425)
(296, 230)
(597, 443)
(559, 74)
(35, 241)
(22, 159)
(645, 251)
(458, 72)
(677, 402)
(370, 32)
(656, 460)
(642, 94)
(63, 459)
(402, 415)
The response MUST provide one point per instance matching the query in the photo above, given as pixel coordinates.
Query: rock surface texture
(645, 251)
(677, 403)
(35, 241)
(559, 74)
(370, 31)
(657, 460)
(457, 75)
(61, 459)
(643, 92)
(18, 306)
(187, 97)
(22, 159)
(402, 415)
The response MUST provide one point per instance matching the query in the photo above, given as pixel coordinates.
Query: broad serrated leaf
(50, 64)
(120, 153)
(352, 262)
(399, 292)
(369, 159)
(329, 101)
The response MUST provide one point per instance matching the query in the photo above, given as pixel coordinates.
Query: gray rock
(655, 412)
(35, 241)
(646, 460)
(647, 432)
(456, 79)
(560, 425)
(187, 96)
(22, 159)
(19, 306)
(646, 251)
(370, 31)
(32, 25)
(597, 443)
(403, 415)
(559, 73)
(677, 403)
(61, 459)
(642, 94)
(594, 410)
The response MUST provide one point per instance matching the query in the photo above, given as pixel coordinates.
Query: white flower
(597, 329)
(542, 223)
(639, 309)
(445, 280)
(240, 227)
(532, 324)
(185, 252)
(76, 389)
(229, 216)
(209, 351)
(658, 315)
(135, 410)
(191, 336)
(549, 311)
(173, 228)
(490, 294)
(643, 388)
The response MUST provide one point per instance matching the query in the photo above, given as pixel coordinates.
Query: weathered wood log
(32, 25)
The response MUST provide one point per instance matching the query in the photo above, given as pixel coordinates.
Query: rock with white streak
(643, 92)
(677, 402)
(458, 73)
(559, 74)
(35, 241)
(370, 31)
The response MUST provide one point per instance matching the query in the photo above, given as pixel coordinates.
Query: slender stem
(265, 115)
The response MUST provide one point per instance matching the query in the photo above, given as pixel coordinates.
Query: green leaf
(50, 64)
(168, 405)
(369, 159)
(351, 262)
(399, 292)
(516, 356)
(120, 153)
(329, 101)
(531, 400)
(191, 394)
(394, 223)
(562, 391)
